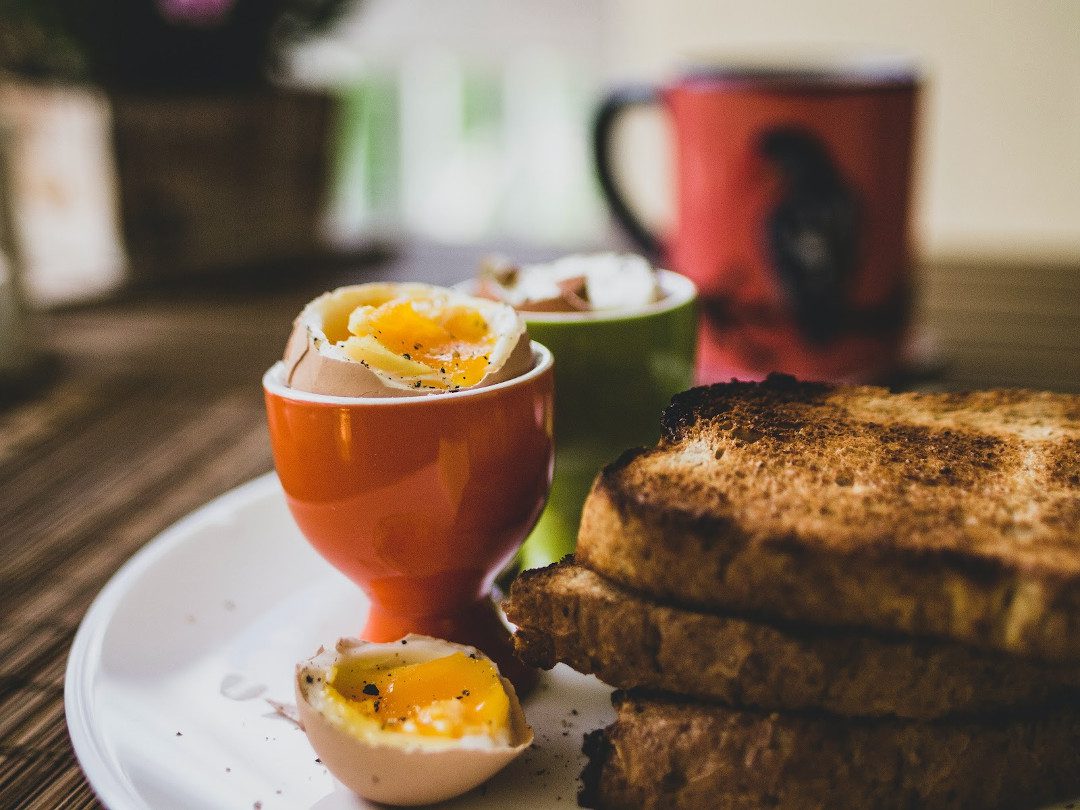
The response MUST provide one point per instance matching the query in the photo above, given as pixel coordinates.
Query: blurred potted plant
(219, 164)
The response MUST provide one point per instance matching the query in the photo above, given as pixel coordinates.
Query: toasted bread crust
(949, 515)
(662, 753)
(567, 613)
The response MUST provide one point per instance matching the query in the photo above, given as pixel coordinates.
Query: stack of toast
(816, 596)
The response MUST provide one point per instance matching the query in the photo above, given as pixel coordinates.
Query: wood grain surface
(155, 407)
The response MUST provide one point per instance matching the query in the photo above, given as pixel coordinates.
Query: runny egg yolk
(450, 697)
(447, 347)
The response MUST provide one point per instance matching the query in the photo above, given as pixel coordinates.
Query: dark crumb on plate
(318, 761)
(178, 734)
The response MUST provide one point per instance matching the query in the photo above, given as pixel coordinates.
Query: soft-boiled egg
(387, 339)
(596, 282)
(409, 722)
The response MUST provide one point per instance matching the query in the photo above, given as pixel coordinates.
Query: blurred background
(150, 142)
(467, 122)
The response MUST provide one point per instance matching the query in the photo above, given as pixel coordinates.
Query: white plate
(169, 677)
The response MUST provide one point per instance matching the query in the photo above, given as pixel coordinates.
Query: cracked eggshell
(397, 770)
(567, 299)
(315, 365)
(587, 282)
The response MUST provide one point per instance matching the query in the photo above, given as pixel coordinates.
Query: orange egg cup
(420, 500)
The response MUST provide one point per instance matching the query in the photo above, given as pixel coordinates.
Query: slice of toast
(950, 515)
(567, 613)
(662, 753)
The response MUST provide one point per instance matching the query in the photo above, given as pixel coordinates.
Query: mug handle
(611, 109)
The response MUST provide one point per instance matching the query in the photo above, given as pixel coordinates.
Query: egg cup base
(478, 625)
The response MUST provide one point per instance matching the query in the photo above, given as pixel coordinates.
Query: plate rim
(103, 773)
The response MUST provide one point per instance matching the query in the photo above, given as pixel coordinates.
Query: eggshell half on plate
(313, 362)
(400, 773)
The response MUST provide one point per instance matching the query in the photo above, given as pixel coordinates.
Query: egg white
(318, 363)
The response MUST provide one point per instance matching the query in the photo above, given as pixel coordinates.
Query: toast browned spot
(949, 515)
(662, 753)
(566, 613)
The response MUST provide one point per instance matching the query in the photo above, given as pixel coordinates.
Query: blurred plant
(157, 45)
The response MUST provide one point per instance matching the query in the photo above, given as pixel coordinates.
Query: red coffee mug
(792, 190)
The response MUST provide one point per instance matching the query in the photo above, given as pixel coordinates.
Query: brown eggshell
(307, 368)
(407, 776)
(484, 287)
(498, 276)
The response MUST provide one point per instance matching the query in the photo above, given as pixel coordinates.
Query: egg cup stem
(478, 625)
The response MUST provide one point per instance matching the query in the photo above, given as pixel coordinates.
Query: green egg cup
(614, 375)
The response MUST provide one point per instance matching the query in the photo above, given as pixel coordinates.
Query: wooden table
(156, 409)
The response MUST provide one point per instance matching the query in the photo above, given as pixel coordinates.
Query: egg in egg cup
(616, 368)
(420, 500)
